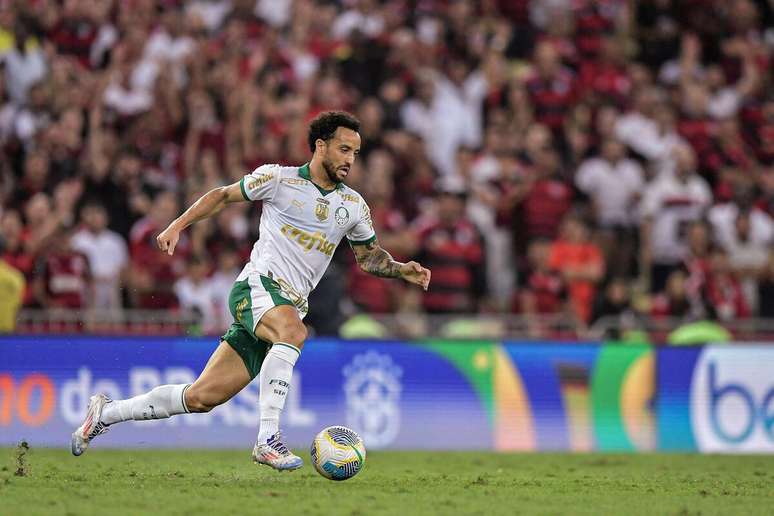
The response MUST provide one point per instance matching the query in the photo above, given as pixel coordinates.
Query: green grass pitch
(107, 482)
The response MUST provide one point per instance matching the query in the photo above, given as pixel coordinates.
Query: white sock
(160, 403)
(276, 372)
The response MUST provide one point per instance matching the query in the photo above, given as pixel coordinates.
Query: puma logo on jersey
(308, 240)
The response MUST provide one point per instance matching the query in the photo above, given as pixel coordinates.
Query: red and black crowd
(579, 158)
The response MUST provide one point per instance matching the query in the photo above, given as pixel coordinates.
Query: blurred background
(568, 169)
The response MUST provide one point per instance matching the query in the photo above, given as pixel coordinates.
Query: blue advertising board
(394, 394)
(716, 399)
(505, 396)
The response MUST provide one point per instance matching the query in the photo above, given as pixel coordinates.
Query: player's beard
(330, 169)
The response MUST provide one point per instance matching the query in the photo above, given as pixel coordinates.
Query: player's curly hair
(325, 124)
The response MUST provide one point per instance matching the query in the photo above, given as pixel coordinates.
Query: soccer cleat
(91, 427)
(275, 454)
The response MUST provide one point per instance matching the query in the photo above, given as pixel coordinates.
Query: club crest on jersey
(341, 215)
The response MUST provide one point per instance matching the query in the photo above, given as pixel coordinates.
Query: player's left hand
(416, 274)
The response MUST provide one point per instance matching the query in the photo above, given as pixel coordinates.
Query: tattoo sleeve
(375, 260)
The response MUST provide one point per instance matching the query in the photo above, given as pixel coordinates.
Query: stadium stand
(565, 167)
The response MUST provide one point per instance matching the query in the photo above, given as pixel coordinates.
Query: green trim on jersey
(242, 187)
(304, 172)
(361, 242)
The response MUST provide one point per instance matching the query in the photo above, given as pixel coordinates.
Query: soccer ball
(338, 453)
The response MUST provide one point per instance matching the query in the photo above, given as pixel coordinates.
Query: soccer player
(307, 211)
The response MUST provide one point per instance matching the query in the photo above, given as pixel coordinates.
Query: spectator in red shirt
(152, 274)
(62, 275)
(75, 31)
(551, 88)
(580, 263)
(730, 160)
(607, 78)
(544, 291)
(593, 21)
(451, 247)
(533, 199)
(548, 199)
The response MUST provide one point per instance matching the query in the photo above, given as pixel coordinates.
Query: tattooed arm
(375, 260)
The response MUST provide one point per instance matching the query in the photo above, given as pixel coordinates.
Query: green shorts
(251, 297)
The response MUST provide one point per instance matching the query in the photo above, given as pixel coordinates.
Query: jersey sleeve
(362, 232)
(262, 184)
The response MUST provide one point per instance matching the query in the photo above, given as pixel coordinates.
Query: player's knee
(196, 402)
(293, 333)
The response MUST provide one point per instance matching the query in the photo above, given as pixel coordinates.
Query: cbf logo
(732, 400)
(372, 388)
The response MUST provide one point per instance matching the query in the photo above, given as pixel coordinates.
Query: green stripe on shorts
(240, 303)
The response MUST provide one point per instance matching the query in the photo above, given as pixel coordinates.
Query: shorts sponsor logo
(240, 307)
(732, 400)
(288, 292)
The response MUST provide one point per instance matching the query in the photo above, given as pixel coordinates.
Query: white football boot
(275, 454)
(91, 427)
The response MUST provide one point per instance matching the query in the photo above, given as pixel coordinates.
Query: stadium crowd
(586, 158)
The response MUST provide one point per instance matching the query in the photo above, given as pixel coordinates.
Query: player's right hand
(167, 240)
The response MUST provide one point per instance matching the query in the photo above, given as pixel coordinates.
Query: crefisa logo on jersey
(372, 388)
(732, 400)
(341, 215)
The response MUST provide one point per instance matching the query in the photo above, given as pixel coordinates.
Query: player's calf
(198, 401)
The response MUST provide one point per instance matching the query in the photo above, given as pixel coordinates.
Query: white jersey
(301, 226)
(673, 205)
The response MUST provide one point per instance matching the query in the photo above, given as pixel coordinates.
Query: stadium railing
(396, 326)
(106, 322)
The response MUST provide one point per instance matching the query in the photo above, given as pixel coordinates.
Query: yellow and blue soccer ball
(338, 453)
